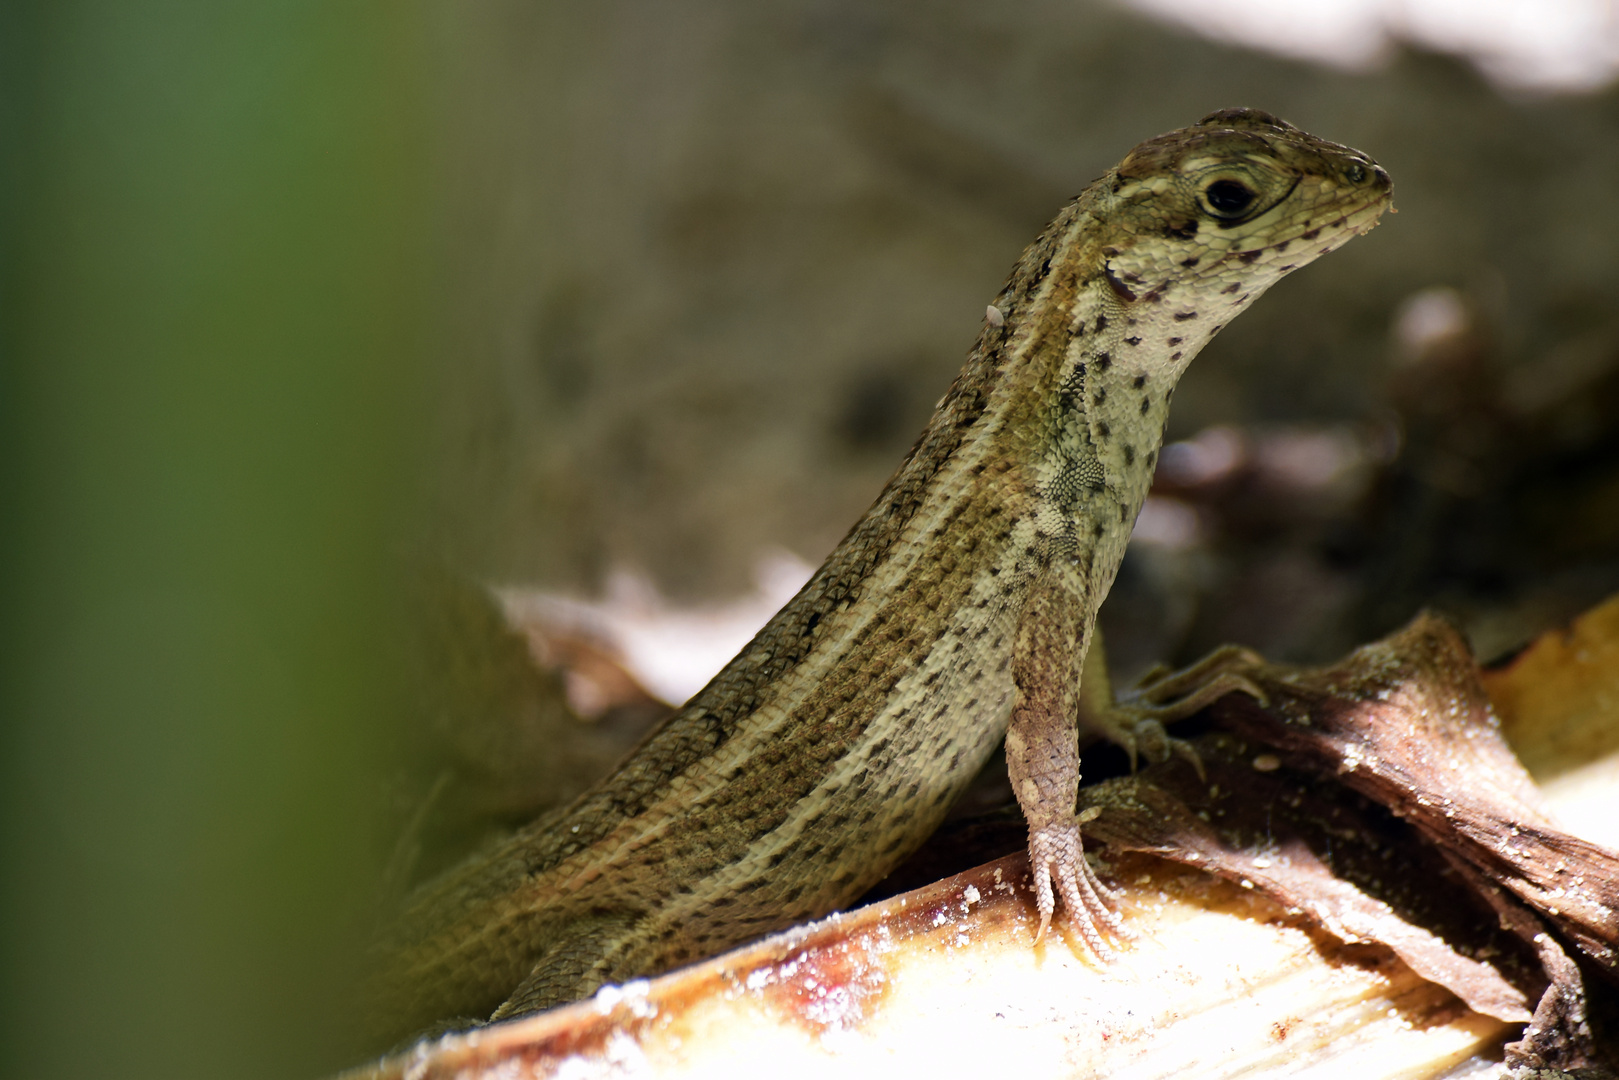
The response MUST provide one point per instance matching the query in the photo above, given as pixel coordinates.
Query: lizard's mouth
(1336, 212)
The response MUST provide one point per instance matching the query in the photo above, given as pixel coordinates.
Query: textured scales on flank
(958, 610)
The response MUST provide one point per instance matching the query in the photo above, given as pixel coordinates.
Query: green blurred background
(216, 313)
(300, 298)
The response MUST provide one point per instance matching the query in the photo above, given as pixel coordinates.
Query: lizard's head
(1210, 216)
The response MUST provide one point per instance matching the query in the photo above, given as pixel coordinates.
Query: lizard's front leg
(1042, 758)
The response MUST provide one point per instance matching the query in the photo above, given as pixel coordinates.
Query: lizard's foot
(1057, 857)
(1136, 720)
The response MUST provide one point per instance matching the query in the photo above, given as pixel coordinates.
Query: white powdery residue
(636, 998)
(625, 1055)
(607, 998)
(621, 1057)
(632, 995)
(831, 1007)
(575, 1067)
(418, 1068)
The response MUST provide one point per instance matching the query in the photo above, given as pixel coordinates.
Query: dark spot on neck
(1118, 286)
(1140, 381)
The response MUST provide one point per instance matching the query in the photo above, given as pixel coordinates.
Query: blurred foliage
(216, 261)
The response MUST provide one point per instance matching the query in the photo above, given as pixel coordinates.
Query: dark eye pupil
(1228, 197)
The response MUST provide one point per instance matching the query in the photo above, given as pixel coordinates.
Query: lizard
(958, 612)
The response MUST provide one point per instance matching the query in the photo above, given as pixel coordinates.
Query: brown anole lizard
(959, 610)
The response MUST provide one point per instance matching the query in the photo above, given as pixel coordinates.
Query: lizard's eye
(1229, 199)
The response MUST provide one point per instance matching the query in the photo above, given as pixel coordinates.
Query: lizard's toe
(1148, 735)
(1057, 858)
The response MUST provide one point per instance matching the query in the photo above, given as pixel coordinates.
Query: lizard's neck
(1086, 372)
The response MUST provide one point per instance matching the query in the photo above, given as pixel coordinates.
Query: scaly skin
(957, 611)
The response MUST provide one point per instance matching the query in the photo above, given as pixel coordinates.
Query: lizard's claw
(1058, 858)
